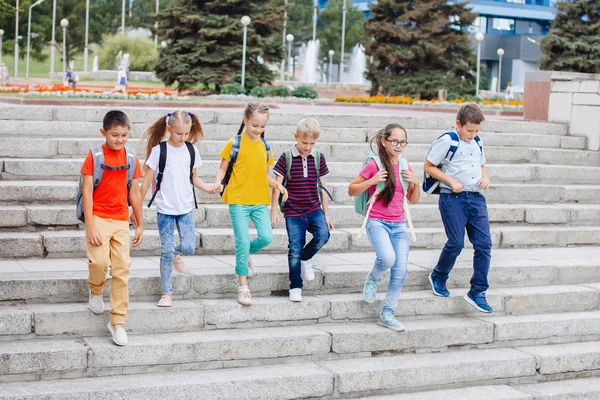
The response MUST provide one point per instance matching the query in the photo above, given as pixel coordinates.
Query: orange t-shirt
(110, 198)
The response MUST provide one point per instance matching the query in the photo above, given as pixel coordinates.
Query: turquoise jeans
(240, 216)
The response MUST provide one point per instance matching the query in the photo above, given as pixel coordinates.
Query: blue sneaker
(479, 302)
(370, 289)
(388, 320)
(438, 287)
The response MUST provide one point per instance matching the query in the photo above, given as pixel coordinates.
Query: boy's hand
(274, 218)
(380, 176)
(93, 236)
(329, 223)
(132, 219)
(284, 192)
(457, 187)
(410, 177)
(137, 238)
(217, 187)
(484, 183)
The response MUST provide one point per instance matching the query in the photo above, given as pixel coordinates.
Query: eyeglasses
(395, 143)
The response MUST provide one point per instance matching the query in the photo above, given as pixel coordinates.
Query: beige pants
(113, 253)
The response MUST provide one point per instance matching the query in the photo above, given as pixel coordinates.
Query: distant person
(4, 75)
(72, 78)
(121, 79)
(509, 95)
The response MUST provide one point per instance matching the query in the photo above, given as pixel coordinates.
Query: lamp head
(289, 37)
(1, 32)
(64, 22)
(479, 37)
(500, 52)
(331, 53)
(163, 44)
(245, 20)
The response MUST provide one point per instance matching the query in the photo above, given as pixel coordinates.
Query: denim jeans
(240, 216)
(186, 246)
(313, 222)
(390, 242)
(466, 209)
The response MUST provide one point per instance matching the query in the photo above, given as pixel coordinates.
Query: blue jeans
(466, 209)
(390, 242)
(186, 246)
(313, 222)
(240, 216)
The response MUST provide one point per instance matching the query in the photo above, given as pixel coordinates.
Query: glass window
(503, 24)
(479, 25)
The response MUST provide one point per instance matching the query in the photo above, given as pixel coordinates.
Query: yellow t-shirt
(248, 184)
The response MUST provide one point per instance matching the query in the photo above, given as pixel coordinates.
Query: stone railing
(565, 97)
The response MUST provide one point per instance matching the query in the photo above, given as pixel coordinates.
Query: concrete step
(74, 114)
(343, 216)
(209, 241)
(69, 169)
(531, 148)
(60, 280)
(40, 191)
(211, 349)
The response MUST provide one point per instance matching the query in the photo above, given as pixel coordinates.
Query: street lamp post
(479, 37)
(87, 29)
(245, 20)
(1, 35)
(16, 71)
(156, 26)
(53, 43)
(331, 53)
(123, 18)
(282, 73)
(64, 23)
(290, 39)
(130, 8)
(315, 5)
(344, 10)
(500, 54)
(29, 37)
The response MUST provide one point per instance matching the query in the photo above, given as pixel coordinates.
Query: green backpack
(288, 168)
(361, 201)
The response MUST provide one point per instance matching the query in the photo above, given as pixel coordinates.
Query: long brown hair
(390, 185)
(250, 109)
(157, 132)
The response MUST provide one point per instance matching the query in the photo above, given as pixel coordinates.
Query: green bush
(305, 92)
(232, 88)
(142, 54)
(278, 91)
(259, 91)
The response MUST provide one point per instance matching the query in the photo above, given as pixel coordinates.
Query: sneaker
(388, 320)
(438, 287)
(479, 302)
(370, 289)
(307, 270)
(96, 303)
(178, 264)
(251, 270)
(119, 335)
(296, 295)
(244, 297)
(165, 301)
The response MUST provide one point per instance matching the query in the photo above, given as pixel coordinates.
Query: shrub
(259, 91)
(278, 91)
(142, 54)
(232, 88)
(305, 92)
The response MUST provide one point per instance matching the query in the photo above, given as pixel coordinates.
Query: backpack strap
(478, 140)
(162, 162)
(267, 147)
(98, 160)
(192, 151)
(430, 184)
(320, 187)
(235, 149)
(288, 166)
(131, 165)
(454, 142)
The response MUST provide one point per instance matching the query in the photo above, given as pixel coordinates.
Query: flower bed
(486, 104)
(64, 91)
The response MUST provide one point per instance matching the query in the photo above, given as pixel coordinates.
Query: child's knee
(387, 259)
(322, 237)
(264, 238)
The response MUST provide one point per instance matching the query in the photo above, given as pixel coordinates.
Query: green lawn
(41, 69)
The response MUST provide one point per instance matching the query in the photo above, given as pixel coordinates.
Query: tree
(420, 47)
(330, 29)
(144, 13)
(572, 43)
(205, 42)
(6, 8)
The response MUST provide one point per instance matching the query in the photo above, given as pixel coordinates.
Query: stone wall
(566, 97)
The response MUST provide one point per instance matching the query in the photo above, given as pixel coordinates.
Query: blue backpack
(432, 185)
(233, 155)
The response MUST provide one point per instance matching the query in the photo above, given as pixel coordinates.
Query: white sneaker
(296, 295)
(307, 270)
(119, 335)
(251, 270)
(96, 303)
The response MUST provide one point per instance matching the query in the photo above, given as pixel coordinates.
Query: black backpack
(162, 162)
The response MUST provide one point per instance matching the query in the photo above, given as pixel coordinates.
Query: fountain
(310, 67)
(358, 66)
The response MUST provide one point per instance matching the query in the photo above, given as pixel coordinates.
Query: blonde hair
(308, 126)
(157, 132)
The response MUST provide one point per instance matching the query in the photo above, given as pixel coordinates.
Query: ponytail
(196, 132)
(155, 134)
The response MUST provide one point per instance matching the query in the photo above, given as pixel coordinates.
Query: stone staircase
(542, 341)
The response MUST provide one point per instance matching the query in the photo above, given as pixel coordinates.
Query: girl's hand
(284, 192)
(410, 177)
(379, 177)
(274, 218)
(217, 187)
(329, 223)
